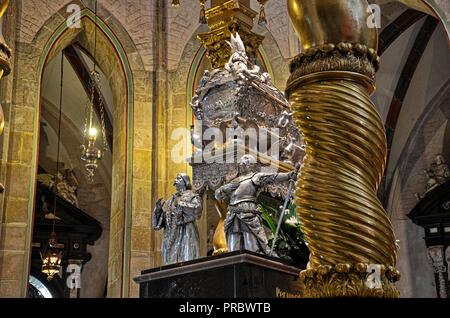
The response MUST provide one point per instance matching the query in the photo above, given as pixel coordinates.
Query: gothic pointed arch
(120, 61)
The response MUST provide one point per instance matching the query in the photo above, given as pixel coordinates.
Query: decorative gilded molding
(5, 50)
(218, 50)
(5, 58)
(343, 56)
(346, 280)
(5, 65)
(225, 19)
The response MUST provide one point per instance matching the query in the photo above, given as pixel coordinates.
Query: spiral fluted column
(352, 244)
(5, 51)
(5, 64)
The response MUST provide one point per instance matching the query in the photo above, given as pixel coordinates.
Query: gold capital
(226, 18)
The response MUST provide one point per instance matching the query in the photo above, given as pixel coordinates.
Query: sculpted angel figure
(65, 186)
(239, 64)
(439, 169)
(437, 174)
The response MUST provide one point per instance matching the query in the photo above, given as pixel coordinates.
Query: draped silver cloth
(178, 216)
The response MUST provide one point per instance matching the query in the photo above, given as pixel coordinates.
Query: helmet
(186, 179)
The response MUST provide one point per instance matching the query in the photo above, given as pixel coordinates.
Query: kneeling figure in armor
(243, 224)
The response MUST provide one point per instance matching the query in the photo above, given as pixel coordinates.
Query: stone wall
(420, 135)
(14, 162)
(35, 32)
(158, 42)
(429, 138)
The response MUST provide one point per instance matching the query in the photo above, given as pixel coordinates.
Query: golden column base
(345, 280)
(345, 225)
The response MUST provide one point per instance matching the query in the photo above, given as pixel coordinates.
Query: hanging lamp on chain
(262, 20)
(51, 256)
(90, 152)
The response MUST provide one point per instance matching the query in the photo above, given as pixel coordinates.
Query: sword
(286, 202)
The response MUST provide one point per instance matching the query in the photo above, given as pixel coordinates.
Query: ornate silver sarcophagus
(238, 111)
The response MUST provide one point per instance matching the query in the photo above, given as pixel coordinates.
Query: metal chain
(102, 123)
(86, 114)
(91, 102)
(97, 79)
(59, 140)
(95, 35)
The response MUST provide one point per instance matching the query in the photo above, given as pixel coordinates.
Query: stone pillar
(160, 182)
(352, 244)
(13, 165)
(436, 257)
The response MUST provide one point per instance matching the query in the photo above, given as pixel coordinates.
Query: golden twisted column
(3, 6)
(5, 64)
(5, 51)
(348, 232)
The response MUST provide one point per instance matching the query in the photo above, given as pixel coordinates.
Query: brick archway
(123, 65)
(112, 59)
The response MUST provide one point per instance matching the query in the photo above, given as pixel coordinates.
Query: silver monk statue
(178, 216)
(243, 224)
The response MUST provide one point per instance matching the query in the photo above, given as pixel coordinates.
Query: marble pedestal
(239, 274)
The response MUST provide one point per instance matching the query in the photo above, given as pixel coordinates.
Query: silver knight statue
(178, 216)
(243, 224)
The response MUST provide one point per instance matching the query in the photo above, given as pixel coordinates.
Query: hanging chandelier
(51, 256)
(90, 153)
